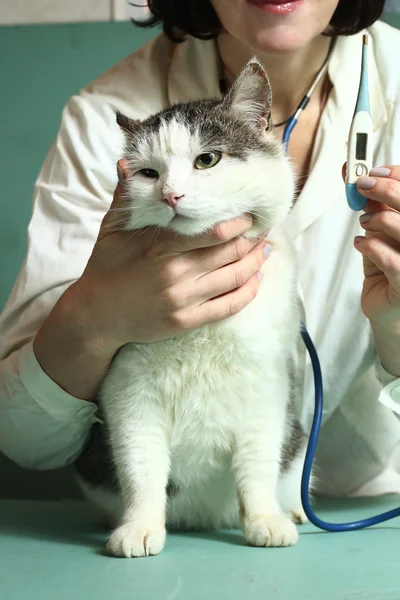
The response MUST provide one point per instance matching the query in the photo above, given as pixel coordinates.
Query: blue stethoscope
(359, 153)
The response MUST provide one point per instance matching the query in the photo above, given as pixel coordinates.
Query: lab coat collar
(194, 74)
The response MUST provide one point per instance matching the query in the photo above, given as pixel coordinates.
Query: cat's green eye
(207, 160)
(149, 173)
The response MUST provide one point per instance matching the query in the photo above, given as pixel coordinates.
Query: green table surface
(54, 551)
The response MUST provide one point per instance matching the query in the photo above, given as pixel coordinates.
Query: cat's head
(196, 164)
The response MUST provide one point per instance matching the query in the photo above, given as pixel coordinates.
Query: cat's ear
(126, 124)
(250, 97)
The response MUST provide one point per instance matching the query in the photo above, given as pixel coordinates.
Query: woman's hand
(149, 285)
(380, 247)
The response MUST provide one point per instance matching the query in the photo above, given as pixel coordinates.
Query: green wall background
(40, 68)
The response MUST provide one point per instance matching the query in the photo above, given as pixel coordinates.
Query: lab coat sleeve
(42, 426)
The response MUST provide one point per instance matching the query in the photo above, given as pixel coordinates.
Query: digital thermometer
(360, 151)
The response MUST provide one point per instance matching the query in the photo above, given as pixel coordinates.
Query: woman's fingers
(234, 275)
(207, 260)
(377, 195)
(373, 206)
(229, 304)
(380, 253)
(382, 185)
(384, 221)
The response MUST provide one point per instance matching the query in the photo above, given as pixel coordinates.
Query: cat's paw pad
(298, 516)
(132, 540)
(270, 531)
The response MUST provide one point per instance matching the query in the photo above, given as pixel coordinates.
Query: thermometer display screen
(361, 146)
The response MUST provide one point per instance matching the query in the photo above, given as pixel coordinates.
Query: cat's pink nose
(172, 198)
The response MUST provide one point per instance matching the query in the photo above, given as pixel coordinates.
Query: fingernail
(120, 173)
(358, 239)
(365, 218)
(259, 276)
(380, 172)
(267, 250)
(366, 183)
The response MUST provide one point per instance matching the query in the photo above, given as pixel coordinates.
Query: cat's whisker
(156, 234)
(261, 218)
(122, 242)
(116, 225)
(144, 214)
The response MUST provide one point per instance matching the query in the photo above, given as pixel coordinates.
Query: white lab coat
(41, 426)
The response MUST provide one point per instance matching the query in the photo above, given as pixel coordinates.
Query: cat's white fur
(208, 409)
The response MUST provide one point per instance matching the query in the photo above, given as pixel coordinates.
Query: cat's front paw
(270, 531)
(132, 540)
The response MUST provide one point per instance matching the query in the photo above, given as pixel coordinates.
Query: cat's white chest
(205, 418)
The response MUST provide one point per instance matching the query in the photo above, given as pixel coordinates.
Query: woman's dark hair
(199, 19)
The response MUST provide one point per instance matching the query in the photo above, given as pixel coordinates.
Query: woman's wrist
(84, 322)
(72, 350)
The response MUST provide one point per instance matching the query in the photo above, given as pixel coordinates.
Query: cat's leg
(141, 455)
(289, 490)
(256, 463)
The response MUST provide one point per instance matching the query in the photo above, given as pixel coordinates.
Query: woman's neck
(291, 75)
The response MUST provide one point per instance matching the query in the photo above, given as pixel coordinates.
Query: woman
(81, 295)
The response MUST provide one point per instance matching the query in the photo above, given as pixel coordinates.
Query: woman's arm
(381, 256)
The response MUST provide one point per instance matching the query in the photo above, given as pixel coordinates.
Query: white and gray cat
(199, 431)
